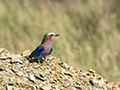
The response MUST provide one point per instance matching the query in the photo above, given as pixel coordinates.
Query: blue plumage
(38, 51)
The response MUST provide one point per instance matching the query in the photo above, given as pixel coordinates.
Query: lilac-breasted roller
(45, 48)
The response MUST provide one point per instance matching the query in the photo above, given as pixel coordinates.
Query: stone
(2, 69)
(47, 87)
(8, 55)
(16, 59)
(10, 88)
(14, 69)
(37, 66)
(78, 87)
(19, 73)
(47, 71)
(40, 76)
(26, 53)
(69, 74)
(3, 57)
(73, 88)
(91, 82)
(91, 71)
(31, 77)
(51, 58)
(2, 50)
(1, 79)
(64, 65)
(33, 87)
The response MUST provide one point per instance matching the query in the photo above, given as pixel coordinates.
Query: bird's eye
(51, 34)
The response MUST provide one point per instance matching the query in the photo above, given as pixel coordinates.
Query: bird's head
(49, 36)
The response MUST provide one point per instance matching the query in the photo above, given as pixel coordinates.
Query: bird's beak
(57, 35)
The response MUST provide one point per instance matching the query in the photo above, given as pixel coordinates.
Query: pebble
(31, 77)
(1, 79)
(10, 88)
(20, 73)
(51, 58)
(26, 53)
(37, 66)
(40, 76)
(91, 71)
(2, 50)
(47, 87)
(3, 57)
(17, 73)
(69, 74)
(16, 59)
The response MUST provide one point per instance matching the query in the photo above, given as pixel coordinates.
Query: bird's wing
(37, 51)
(50, 51)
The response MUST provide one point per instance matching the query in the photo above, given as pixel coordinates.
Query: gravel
(17, 73)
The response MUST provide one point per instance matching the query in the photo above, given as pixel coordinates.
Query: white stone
(47, 87)
(69, 74)
(37, 66)
(26, 53)
(3, 57)
(10, 88)
(16, 59)
(50, 58)
(20, 73)
(31, 77)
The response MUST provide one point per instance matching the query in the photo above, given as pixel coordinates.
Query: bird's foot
(41, 60)
(38, 61)
(31, 60)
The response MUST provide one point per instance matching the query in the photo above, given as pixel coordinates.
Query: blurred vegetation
(89, 31)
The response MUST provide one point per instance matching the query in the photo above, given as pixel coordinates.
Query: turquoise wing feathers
(37, 52)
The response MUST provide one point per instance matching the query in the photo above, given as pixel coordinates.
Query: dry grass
(89, 31)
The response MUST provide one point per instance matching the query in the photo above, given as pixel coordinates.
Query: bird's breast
(47, 49)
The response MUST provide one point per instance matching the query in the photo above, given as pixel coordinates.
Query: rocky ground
(17, 73)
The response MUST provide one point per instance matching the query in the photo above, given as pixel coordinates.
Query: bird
(45, 48)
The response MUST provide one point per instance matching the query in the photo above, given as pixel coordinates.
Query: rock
(91, 71)
(69, 74)
(37, 66)
(91, 82)
(78, 87)
(47, 87)
(16, 59)
(14, 69)
(33, 87)
(8, 55)
(19, 73)
(1, 79)
(3, 57)
(51, 58)
(40, 76)
(31, 77)
(64, 65)
(26, 53)
(2, 69)
(73, 88)
(2, 50)
(47, 72)
(10, 88)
